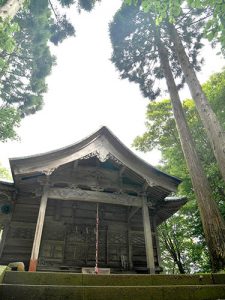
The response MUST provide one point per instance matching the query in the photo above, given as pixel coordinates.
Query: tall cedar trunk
(10, 8)
(212, 126)
(212, 221)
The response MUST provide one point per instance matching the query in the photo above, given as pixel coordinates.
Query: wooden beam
(148, 238)
(38, 232)
(94, 196)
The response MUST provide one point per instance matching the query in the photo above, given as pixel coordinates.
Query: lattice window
(52, 250)
(138, 239)
(117, 237)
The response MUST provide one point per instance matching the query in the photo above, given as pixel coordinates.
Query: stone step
(50, 278)
(42, 278)
(56, 292)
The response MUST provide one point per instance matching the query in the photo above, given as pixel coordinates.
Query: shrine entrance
(80, 247)
(70, 240)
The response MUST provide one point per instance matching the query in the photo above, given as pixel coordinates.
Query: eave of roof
(99, 140)
(7, 183)
(170, 206)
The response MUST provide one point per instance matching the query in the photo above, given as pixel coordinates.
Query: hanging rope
(97, 241)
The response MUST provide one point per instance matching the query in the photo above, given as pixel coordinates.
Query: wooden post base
(33, 265)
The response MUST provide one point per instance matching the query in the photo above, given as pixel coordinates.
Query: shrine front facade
(91, 203)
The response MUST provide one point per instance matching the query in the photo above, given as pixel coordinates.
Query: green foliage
(10, 119)
(26, 61)
(23, 82)
(4, 174)
(183, 250)
(25, 58)
(212, 10)
(135, 51)
(87, 5)
(66, 3)
(2, 2)
(60, 27)
(61, 30)
(7, 42)
(215, 27)
(162, 134)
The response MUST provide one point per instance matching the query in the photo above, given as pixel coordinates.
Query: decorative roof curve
(103, 144)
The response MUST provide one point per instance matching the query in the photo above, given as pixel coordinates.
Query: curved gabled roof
(103, 144)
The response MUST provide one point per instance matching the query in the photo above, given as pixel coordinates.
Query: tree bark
(10, 8)
(214, 130)
(212, 221)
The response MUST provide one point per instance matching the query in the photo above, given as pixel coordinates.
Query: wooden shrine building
(93, 194)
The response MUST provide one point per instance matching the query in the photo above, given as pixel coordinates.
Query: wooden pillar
(130, 255)
(107, 246)
(38, 231)
(157, 243)
(148, 238)
(5, 228)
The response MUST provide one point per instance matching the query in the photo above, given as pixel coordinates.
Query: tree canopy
(212, 11)
(26, 61)
(135, 54)
(162, 134)
(25, 57)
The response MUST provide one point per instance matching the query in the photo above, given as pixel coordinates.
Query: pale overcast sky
(85, 92)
